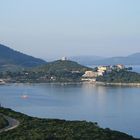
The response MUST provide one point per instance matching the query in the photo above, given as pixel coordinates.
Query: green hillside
(60, 65)
(61, 71)
(32, 128)
(57, 71)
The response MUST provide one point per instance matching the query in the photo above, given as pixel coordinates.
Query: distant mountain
(133, 59)
(11, 59)
(60, 66)
(87, 59)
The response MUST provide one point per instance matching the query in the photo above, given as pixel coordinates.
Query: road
(13, 123)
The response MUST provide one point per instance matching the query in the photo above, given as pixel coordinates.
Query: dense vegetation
(57, 71)
(3, 122)
(60, 65)
(11, 59)
(53, 129)
(122, 76)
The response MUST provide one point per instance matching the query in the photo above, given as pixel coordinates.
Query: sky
(50, 29)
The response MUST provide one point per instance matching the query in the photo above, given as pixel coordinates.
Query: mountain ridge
(15, 58)
(132, 59)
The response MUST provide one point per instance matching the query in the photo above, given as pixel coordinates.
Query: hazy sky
(55, 28)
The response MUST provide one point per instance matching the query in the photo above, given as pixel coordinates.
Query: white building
(2, 82)
(120, 66)
(64, 58)
(90, 74)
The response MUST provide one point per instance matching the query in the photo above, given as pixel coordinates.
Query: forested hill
(10, 57)
(57, 71)
(59, 65)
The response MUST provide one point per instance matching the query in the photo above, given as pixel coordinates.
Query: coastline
(45, 126)
(117, 84)
(96, 83)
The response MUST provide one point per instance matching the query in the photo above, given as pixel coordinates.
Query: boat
(24, 96)
(2, 82)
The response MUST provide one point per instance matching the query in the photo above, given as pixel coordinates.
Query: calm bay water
(113, 107)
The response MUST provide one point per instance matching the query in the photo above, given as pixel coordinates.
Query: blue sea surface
(112, 107)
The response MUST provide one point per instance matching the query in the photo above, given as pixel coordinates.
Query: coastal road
(13, 123)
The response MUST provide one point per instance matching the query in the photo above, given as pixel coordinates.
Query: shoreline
(117, 84)
(45, 123)
(96, 83)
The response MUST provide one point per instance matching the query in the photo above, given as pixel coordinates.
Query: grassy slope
(51, 129)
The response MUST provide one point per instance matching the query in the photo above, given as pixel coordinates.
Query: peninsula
(32, 128)
(17, 67)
